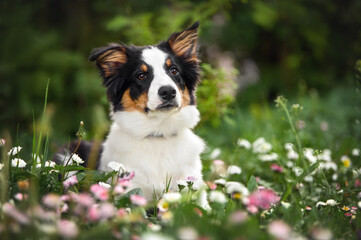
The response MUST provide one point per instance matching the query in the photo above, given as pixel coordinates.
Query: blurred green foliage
(295, 44)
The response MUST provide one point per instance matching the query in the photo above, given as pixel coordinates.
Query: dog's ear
(109, 59)
(184, 44)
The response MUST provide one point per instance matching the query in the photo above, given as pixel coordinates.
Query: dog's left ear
(184, 44)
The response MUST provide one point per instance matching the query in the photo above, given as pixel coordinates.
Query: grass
(258, 188)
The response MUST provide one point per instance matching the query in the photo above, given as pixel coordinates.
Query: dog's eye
(173, 71)
(141, 76)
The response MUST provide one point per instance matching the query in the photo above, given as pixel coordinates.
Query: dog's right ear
(109, 59)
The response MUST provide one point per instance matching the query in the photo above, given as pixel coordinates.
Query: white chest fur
(175, 155)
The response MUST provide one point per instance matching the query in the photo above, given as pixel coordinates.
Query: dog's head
(151, 89)
(151, 79)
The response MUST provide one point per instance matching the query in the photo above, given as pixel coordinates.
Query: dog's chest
(154, 159)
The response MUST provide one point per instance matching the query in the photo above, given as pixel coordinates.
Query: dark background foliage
(288, 47)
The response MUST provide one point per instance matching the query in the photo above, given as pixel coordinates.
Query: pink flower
(118, 189)
(121, 212)
(127, 176)
(11, 211)
(348, 214)
(65, 198)
(99, 192)
(238, 217)
(218, 162)
(211, 185)
(67, 229)
(357, 183)
(138, 200)
(70, 181)
(21, 196)
(263, 198)
(93, 213)
(52, 200)
(279, 229)
(101, 211)
(2, 142)
(106, 210)
(277, 168)
(190, 180)
(84, 199)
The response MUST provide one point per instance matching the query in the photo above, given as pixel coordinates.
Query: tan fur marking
(185, 42)
(168, 62)
(131, 105)
(144, 68)
(109, 60)
(186, 98)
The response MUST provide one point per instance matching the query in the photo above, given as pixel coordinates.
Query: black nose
(167, 93)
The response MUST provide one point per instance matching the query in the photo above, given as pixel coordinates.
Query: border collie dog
(151, 90)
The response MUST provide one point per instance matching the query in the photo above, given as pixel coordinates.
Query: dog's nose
(167, 93)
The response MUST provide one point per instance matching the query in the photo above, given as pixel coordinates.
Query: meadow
(288, 170)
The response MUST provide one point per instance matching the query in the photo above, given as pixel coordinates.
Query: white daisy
(268, 157)
(244, 143)
(116, 166)
(14, 151)
(218, 197)
(233, 169)
(17, 162)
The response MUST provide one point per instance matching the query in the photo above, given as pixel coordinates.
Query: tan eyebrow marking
(144, 68)
(168, 62)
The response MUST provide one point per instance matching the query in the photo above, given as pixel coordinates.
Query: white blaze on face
(156, 59)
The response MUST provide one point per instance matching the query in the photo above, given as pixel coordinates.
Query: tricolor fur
(151, 91)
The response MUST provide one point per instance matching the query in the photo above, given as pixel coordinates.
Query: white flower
(215, 153)
(233, 169)
(47, 164)
(289, 146)
(320, 204)
(218, 197)
(359, 204)
(172, 197)
(325, 155)
(154, 236)
(182, 183)
(75, 158)
(1, 166)
(244, 143)
(289, 164)
(308, 152)
(334, 176)
(220, 181)
(331, 202)
(104, 185)
(308, 178)
(116, 166)
(286, 205)
(17, 162)
(36, 157)
(292, 154)
(187, 233)
(14, 151)
(232, 187)
(261, 146)
(298, 171)
(356, 152)
(328, 166)
(195, 187)
(268, 157)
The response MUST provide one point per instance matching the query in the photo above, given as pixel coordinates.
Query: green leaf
(252, 184)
